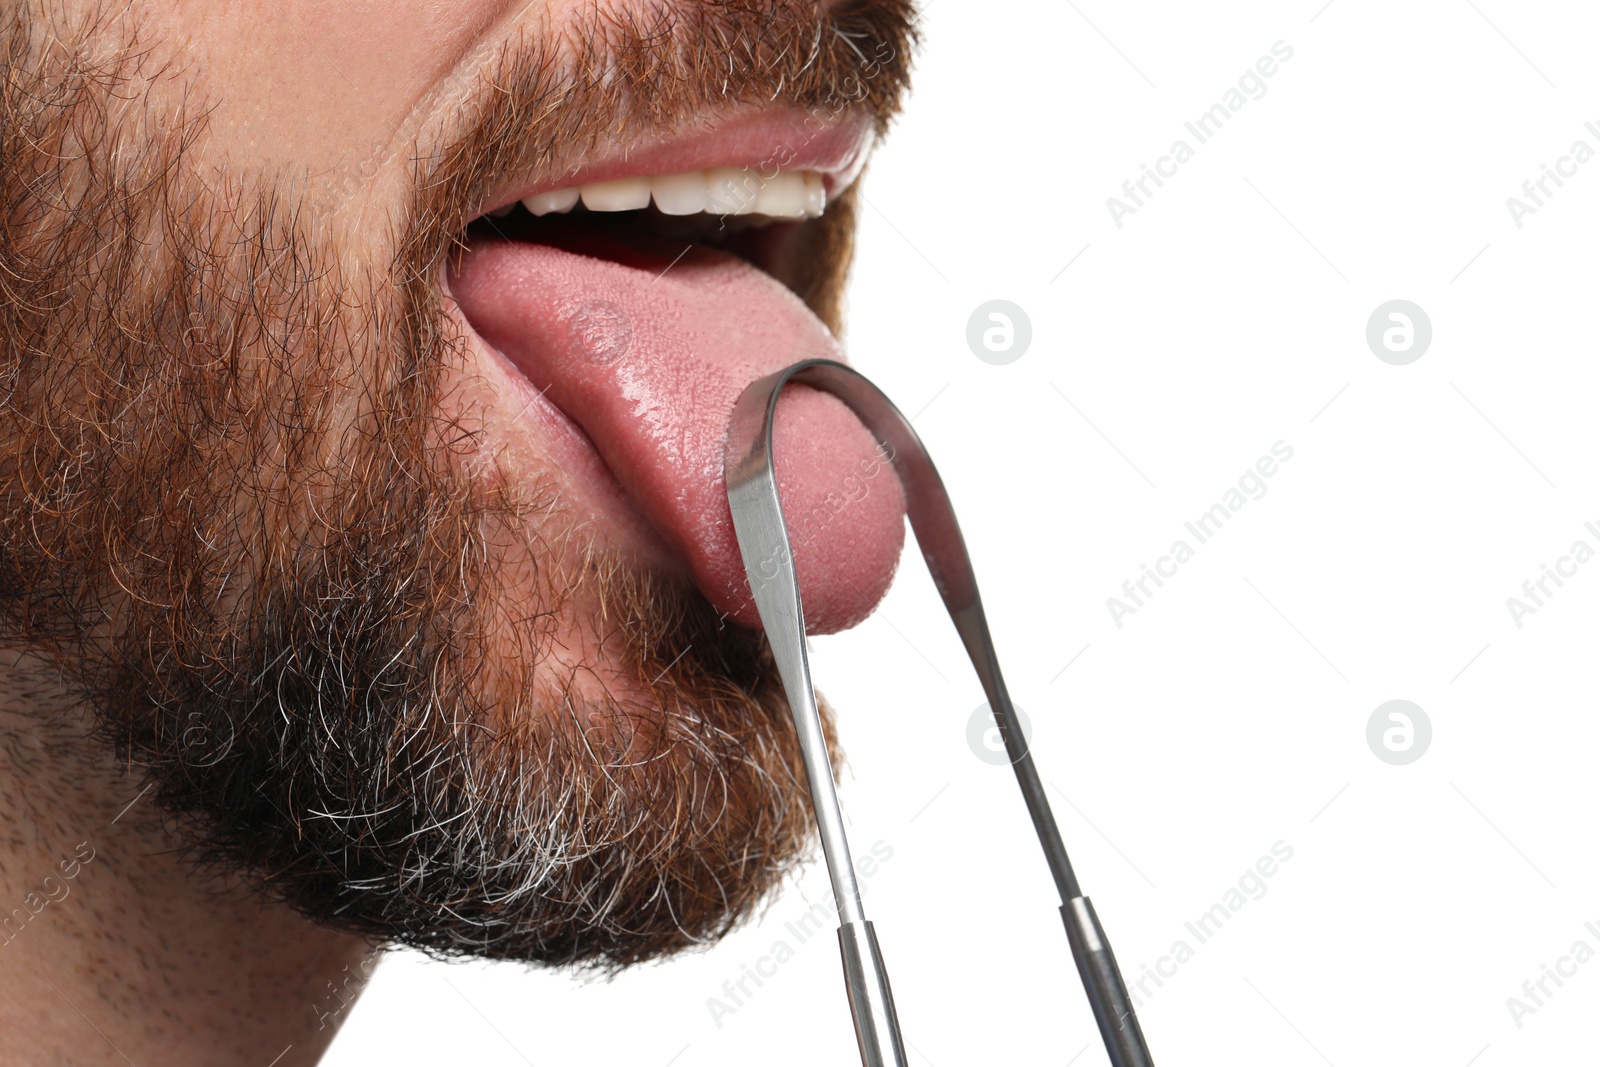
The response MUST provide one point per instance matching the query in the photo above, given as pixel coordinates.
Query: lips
(642, 342)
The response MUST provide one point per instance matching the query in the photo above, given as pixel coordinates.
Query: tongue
(647, 354)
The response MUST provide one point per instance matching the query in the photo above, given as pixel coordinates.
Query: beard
(248, 511)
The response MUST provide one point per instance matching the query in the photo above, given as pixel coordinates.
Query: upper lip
(788, 139)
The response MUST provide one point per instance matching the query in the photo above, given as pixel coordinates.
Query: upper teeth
(718, 191)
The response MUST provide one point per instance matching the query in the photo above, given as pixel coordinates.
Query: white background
(1230, 712)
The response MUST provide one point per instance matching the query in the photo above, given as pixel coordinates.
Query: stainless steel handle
(871, 1000)
(764, 545)
(1102, 981)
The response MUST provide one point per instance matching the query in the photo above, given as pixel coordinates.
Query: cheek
(329, 87)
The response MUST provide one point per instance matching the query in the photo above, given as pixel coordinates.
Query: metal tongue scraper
(769, 564)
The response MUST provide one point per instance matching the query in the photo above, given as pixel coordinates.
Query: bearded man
(366, 576)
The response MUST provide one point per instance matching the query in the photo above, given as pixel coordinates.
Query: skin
(138, 962)
(140, 958)
(143, 955)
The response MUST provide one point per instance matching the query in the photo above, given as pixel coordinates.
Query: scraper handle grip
(1108, 997)
(871, 1001)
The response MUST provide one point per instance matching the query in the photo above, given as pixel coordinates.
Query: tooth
(559, 201)
(624, 194)
(680, 194)
(733, 191)
(501, 212)
(815, 196)
(783, 195)
(717, 191)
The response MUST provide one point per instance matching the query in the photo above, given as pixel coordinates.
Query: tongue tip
(846, 605)
(844, 511)
(836, 592)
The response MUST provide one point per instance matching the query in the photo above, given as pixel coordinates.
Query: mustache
(613, 73)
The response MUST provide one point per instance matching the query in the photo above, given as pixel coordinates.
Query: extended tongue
(647, 354)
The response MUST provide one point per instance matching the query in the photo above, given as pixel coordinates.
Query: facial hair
(247, 510)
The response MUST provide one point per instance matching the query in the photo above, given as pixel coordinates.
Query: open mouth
(734, 210)
(638, 298)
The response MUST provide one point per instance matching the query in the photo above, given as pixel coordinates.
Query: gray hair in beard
(237, 511)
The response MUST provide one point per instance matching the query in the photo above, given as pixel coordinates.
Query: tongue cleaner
(769, 565)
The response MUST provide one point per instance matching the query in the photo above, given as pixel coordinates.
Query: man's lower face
(387, 535)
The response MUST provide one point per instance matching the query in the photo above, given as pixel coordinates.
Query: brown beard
(245, 511)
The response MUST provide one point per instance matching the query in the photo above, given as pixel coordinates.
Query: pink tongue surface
(647, 355)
